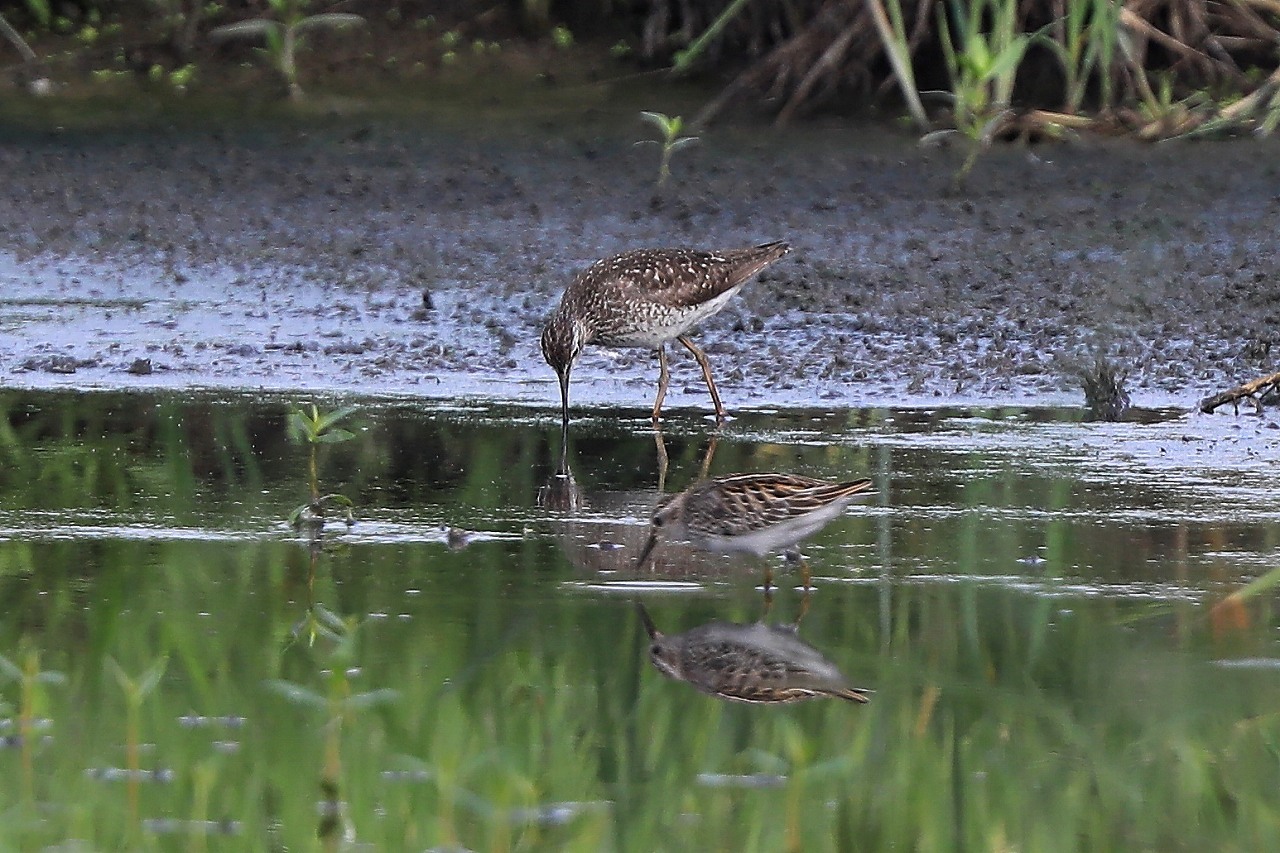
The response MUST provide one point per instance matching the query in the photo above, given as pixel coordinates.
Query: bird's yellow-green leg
(663, 461)
(663, 378)
(706, 373)
(804, 606)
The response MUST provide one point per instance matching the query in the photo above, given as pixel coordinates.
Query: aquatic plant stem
(893, 37)
(689, 55)
(314, 469)
(131, 762)
(26, 722)
(16, 39)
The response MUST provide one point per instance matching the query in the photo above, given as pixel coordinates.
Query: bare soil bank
(418, 250)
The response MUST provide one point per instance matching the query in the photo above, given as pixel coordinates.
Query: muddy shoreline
(412, 255)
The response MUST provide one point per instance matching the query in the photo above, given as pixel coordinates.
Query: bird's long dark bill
(564, 398)
(564, 450)
(648, 549)
(649, 627)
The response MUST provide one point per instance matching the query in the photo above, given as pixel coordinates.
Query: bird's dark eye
(657, 521)
(655, 649)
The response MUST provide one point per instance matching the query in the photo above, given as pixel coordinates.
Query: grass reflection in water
(1034, 627)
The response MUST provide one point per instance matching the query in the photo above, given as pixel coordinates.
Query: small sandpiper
(755, 514)
(759, 663)
(644, 298)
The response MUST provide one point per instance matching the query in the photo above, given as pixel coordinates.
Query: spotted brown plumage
(759, 663)
(644, 298)
(752, 513)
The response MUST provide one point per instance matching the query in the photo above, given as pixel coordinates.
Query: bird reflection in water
(597, 530)
(592, 529)
(754, 514)
(561, 491)
(757, 662)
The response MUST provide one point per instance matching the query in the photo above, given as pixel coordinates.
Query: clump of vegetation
(1011, 67)
(316, 428)
(1104, 391)
(669, 127)
(284, 35)
(982, 66)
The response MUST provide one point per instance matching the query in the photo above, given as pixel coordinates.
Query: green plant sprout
(319, 622)
(562, 37)
(1164, 115)
(284, 36)
(1262, 106)
(316, 428)
(671, 141)
(31, 704)
(136, 690)
(982, 68)
(181, 78)
(339, 705)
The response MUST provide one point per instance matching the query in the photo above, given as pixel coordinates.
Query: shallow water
(1028, 594)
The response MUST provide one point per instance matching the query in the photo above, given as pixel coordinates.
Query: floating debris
(196, 721)
(559, 814)
(124, 774)
(457, 538)
(407, 776)
(741, 780)
(174, 826)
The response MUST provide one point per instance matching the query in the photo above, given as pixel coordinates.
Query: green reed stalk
(893, 35)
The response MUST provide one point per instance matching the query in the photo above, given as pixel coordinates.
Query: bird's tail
(748, 262)
(855, 694)
(770, 252)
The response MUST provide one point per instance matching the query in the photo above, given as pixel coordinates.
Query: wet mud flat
(406, 253)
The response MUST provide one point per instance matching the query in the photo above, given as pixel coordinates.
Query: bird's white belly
(775, 537)
(662, 324)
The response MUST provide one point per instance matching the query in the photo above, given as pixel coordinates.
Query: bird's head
(562, 342)
(666, 515)
(664, 653)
